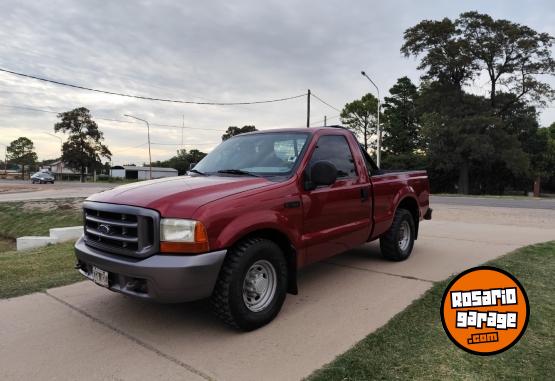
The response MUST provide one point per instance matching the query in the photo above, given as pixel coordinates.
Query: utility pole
(148, 137)
(182, 128)
(5, 160)
(325, 121)
(308, 109)
(61, 153)
(379, 130)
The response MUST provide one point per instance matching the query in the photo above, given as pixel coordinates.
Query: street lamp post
(148, 137)
(61, 153)
(379, 130)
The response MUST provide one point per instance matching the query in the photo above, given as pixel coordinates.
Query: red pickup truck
(242, 222)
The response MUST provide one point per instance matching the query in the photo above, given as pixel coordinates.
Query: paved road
(526, 203)
(19, 190)
(83, 330)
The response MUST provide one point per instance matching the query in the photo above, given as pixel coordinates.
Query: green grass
(6, 244)
(18, 219)
(413, 344)
(24, 272)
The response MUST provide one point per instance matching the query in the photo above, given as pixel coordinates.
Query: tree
(22, 152)
(83, 147)
(460, 50)
(402, 137)
(487, 141)
(447, 55)
(360, 116)
(233, 130)
(182, 160)
(542, 155)
(463, 136)
(510, 53)
(195, 155)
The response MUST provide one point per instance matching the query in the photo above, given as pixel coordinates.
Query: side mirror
(192, 165)
(322, 173)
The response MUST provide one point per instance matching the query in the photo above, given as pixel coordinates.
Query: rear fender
(383, 222)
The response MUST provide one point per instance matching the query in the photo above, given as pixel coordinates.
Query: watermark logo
(485, 310)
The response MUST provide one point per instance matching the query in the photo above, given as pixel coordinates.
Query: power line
(150, 98)
(114, 120)
(326, 103)
(128, 148)
(318, 122)
(192, 128)
(28, 108)
(185, 144)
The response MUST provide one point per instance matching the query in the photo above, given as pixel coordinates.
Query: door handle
(364, 193)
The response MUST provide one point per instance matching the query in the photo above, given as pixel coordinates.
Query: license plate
(100, 277)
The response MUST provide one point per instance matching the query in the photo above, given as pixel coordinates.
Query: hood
(178, 196)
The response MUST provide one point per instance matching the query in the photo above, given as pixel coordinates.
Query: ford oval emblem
(105, 229)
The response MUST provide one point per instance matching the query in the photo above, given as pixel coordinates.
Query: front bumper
(162, 278)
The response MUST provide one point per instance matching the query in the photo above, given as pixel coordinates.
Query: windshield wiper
(237, 172)
(197, 171)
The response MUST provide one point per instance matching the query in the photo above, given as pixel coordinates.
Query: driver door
(336, 217)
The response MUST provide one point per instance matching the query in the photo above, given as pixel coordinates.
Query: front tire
(397, 243)
(252, 284)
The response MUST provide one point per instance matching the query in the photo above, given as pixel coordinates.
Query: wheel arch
(288, 249)
(411, 204)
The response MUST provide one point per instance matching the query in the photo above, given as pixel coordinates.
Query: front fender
(250, 222)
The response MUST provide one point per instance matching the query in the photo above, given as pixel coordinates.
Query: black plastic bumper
(162, 278)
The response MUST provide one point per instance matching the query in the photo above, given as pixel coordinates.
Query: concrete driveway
(82, 331)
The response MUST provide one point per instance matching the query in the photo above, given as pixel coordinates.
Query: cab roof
(310, 130)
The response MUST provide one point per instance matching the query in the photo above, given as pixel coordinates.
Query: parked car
(42, 178)
(246, 218)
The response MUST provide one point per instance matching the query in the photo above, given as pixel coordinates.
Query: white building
(60, 168)
(132, 172)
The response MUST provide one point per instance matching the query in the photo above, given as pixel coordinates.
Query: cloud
(210, 50)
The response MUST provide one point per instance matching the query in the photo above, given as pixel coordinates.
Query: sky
(217, 51)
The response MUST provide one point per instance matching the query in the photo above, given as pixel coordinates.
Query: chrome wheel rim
(404, 236)
(259, 285)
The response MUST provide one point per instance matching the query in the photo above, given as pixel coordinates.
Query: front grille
(121, 229)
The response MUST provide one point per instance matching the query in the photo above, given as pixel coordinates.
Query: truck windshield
(264, 154)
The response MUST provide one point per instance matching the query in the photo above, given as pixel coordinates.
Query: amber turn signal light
(199, 245)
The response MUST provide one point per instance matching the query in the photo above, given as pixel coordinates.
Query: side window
(334, 148)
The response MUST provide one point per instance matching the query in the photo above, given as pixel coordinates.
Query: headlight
(182, 236)
(172, 229)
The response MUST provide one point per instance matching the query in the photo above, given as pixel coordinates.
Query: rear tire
(397, 243)
(252, 284)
